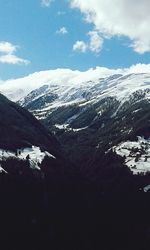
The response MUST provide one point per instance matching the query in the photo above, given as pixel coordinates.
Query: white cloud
(129, 18)
(138, 68)
(18, 88)
(80, 46)
(62, 31)
(6, 47)
(46, 3)
(7, 54)
(12, 59)
(95, 43)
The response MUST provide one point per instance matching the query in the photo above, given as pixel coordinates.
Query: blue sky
(42, 37)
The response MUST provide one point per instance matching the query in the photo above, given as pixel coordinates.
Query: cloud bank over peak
(129, 18)
(18, 88)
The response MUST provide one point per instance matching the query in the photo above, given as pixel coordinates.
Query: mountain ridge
(94, 116)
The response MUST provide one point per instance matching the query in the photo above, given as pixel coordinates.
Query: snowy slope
(117, 85)
(47, 90)
(16, 89)
(136, 154)
(33, 154)
(49, 97)
(62, 81)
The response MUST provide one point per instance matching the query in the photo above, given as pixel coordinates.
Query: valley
(78, 166)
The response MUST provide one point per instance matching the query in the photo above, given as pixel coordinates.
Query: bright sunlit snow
(34, 154)
(136, 153)
(74, 90)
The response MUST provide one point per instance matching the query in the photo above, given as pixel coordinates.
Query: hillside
(19, 128)
(102, 199)
(95, 116)
(34, 179)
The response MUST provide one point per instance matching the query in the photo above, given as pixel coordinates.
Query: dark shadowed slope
(18, 128)
(54, 208)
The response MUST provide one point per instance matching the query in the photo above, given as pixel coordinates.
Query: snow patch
(62, 126)
(146, 189)
(136, 154)
(2, 170)
(67, 128)
(79, 129)
(33, 154)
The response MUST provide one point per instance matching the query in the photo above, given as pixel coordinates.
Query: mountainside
(96, 203)
(92, 118)
(25, 141)
(51, 96)
(34, 178)
(18, 128)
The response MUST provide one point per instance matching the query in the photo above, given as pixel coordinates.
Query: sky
(38, 35)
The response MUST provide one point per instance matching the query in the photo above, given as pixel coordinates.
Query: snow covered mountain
(49, 97)
(98, 114)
